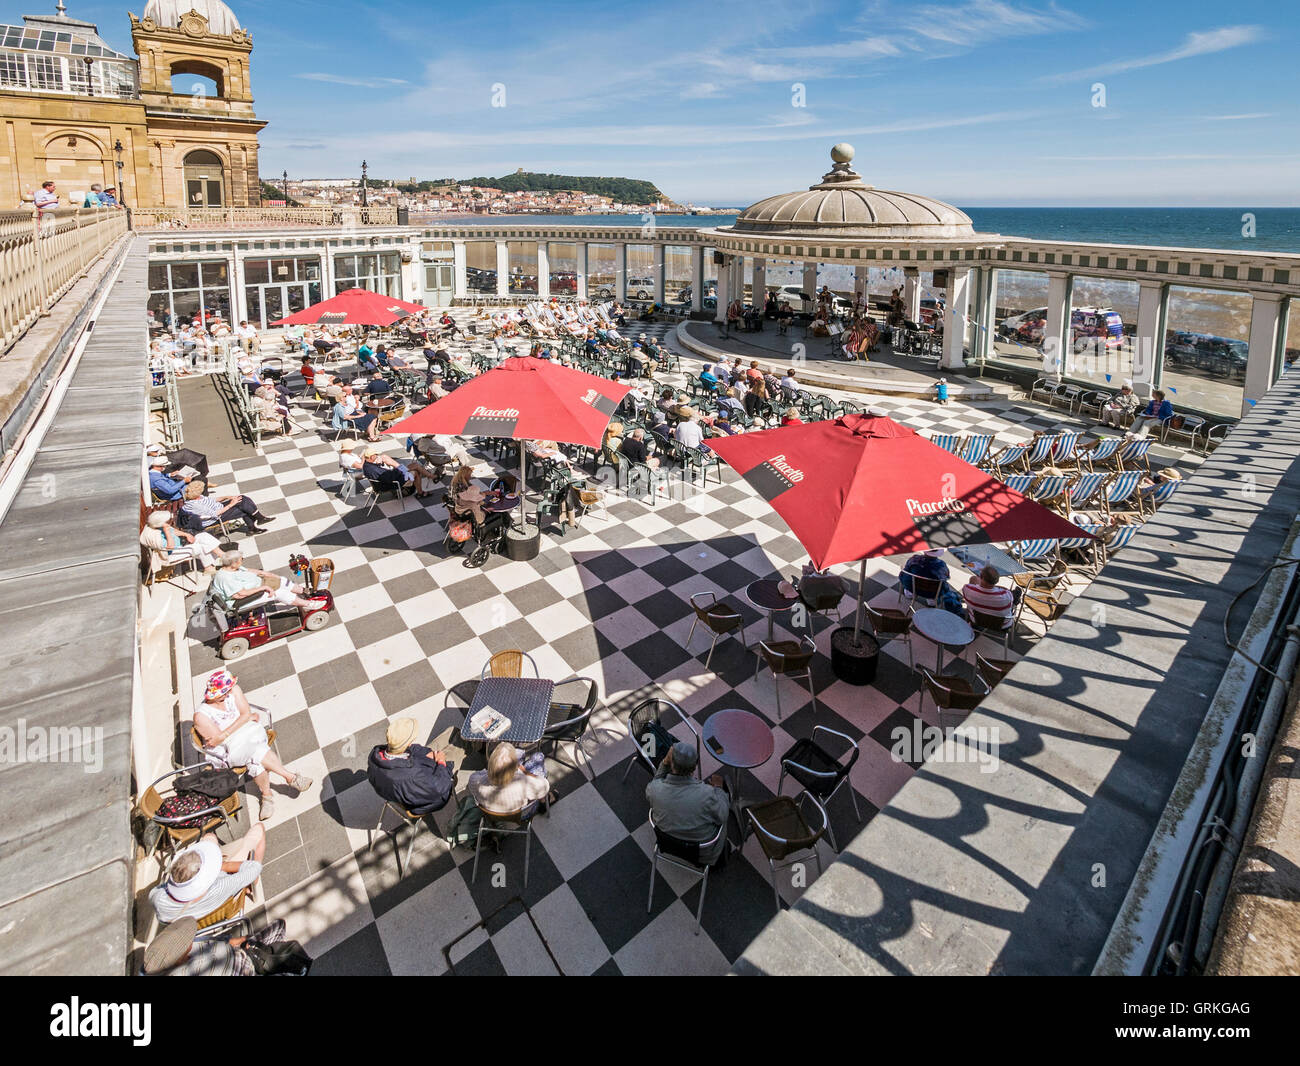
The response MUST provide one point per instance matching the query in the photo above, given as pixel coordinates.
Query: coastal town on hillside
(457, 199)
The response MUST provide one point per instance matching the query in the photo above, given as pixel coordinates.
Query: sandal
(267, 808)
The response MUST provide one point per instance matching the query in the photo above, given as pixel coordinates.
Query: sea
(1225, 314)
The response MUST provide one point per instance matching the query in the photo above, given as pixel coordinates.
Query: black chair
(924, 589)
(569, 722)
(820, 772)
(647, 734)
(685, 855)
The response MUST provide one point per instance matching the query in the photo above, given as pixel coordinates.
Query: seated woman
(175, 545)
(272, 417)
(791, 417)
(242, 588)
(227, 508)
(233, 735)
(511, 786)
(348, 412)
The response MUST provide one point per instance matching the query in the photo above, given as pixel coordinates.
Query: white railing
(42, 256)
(221, 218)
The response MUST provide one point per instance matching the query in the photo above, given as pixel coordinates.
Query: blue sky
(982, 102)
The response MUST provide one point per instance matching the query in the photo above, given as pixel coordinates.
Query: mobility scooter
(268, 620)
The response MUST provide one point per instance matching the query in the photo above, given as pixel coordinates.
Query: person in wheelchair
(239, 589)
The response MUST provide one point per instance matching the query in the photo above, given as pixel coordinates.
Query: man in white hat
(162, 486)
(205, 875)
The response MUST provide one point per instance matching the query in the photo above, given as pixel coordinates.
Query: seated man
(205, 875)
(378, 385)
(708, 380)
(634, 447)
(348, 411)
(178, 952)
(928, 564)
(436, 390)
(686, 807)
(244, 588)
(381, 355)
(409, 775)
(162, 486)
(383, 471)
(983, 593)
(689, 432)
(226, 508)
(397, 362)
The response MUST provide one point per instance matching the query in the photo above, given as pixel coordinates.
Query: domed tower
(194, 81)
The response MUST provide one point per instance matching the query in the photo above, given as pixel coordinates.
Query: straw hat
(401, 733)
(171, 945)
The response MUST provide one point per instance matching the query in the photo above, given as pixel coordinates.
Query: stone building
(171, 127)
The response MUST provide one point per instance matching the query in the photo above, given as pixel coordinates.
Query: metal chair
(410, 820)
(509, 663)
(1045, 604)
(993, 626)
(820, 772)
(892, 624)
(718, 619)
(647, 734)
(951, 693)
(789, 658)
(991, 671)
(821, 595)
(783, 830)
(685, 855)
(924, 589)
(569, 722)
(514, 824)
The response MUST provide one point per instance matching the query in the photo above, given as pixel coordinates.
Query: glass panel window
(13, 74)
(282, 270)
(158, 277)
(215, 274)
(256, 271)
(45, 72)
(1204, 365)
(185, 275)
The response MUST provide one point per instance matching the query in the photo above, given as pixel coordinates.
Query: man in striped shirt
(984, 594)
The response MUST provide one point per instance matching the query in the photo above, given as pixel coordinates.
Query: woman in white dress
(233, 735)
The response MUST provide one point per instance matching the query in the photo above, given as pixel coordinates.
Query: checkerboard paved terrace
(609, 600)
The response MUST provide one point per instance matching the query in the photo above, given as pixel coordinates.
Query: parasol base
(854, 661)
(523, 542)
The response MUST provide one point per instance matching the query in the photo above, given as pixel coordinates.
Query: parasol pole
(523, 487)
(862, 587)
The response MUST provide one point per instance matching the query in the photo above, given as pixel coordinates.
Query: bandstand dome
(168, 13)
(842, 205)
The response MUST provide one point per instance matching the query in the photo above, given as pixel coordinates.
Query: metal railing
(43, 254)
(222, 218)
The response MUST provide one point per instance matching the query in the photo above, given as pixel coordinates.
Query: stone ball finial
(842, 153)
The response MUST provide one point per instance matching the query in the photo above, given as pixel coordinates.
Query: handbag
(460, 530)
(182, 804)
(210, 782)
(288, 958)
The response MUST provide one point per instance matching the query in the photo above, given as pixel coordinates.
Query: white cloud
(982, 21)
(1195, 44)
(1236, 118)
(357, 83)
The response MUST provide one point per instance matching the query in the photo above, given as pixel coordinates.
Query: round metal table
(765, 595)
(943, 628)
(745, 740)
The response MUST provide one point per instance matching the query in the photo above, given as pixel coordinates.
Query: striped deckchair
(1066, 450)
(1135, 452)
(1086, 489)
(1121, 489)
(1101, 452)
(1040, 451)
(1051, 491)
(1010, 457)
(1153, 496)
(1119, 539)
(1020, 483)
(976, 449)
(949, 442)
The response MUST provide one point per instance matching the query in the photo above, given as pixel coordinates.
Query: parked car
(1217, 356)
(637, 289)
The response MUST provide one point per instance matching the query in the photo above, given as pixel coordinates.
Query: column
(697, 278)
(760, 283)
(503, 269)
(1056, 333)
(861, 275)
(327, 270)
(239, 294)
(810, 283)
(620, 272)
(1266, 332)
(581, 250)
(1149, 341)
(986, 312)
(543, 271)
(912, 294)
(459, 277)
(956, 310)
(658, 275)
(724, 291)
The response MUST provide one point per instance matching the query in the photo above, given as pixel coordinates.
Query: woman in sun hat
(233, 735)
(206, 875)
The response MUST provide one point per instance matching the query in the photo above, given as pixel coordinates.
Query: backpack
(209, 782)
(463, 829)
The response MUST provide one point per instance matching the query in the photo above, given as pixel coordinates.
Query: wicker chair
(508, 663)
(173, 834)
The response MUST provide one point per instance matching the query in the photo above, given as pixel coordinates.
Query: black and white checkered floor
(608, 601)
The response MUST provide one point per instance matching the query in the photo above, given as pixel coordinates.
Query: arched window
(204, 179)
(194, 78)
